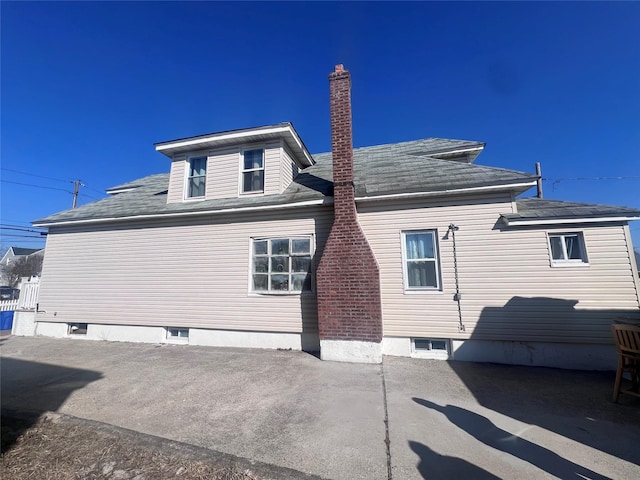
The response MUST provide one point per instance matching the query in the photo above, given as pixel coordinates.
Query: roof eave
(159, 216)
(524, 222)
(285, 131)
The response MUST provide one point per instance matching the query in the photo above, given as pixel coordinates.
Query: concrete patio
(289, 409)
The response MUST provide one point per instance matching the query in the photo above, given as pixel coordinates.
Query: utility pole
(539, 181)
(76, 188)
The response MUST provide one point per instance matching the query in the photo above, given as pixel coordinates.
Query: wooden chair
(627, 338)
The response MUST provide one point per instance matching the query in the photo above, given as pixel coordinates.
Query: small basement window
(178, 334)
(77, 329)
(431, 344)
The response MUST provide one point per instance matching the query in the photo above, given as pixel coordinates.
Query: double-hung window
(197, 176)
(567, 248)
(253, 170)
(281, 265)
(420, 262)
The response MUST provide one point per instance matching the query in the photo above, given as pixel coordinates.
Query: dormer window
(253, 171)
(196, 179)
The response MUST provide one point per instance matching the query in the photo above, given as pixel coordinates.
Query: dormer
(236, 163)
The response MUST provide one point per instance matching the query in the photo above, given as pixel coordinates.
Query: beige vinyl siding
(174, 274)
(177, 179)
(272, 170)
(509, 289)
(222, 173)
(286, 168)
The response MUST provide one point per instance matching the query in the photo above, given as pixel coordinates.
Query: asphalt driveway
(289, 409)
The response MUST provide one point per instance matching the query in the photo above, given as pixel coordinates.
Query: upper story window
(421, 262)
(567, 248)
(253, 170)
(281, 265)
(197, 176)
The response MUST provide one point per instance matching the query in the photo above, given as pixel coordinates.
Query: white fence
(7, 305)
(28, 296)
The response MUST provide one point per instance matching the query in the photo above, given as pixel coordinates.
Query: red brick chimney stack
(348, 280)
(341, 131)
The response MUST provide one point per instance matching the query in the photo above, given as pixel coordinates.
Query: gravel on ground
(53, 447)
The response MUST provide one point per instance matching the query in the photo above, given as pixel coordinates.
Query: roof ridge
(406, 142)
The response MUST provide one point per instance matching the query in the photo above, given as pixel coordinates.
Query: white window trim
(312, 249)
(431, 353)
(176, 339)
(71, 329)
(241, 172)
(187, 167)
(564, 263)
(405, 274)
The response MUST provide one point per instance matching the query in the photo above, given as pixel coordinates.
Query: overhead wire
(37, 186)
(14, 225)
(47, 178)
(555, 181)
(24, 236)
(35, 175)
(20, 229)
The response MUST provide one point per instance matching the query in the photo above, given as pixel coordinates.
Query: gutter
(185, 214)
(558, 221)
(324, 201)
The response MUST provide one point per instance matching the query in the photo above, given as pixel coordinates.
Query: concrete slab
(486, 421)
(446, 419)
(283, 408)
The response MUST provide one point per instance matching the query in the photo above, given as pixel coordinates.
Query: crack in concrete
(387, 440)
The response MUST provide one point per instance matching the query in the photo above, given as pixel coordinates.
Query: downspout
(457, 297)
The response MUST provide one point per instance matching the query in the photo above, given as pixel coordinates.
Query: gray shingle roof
(541, 209)
(24, 251)
(379, 170)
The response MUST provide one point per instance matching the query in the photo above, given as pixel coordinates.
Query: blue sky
(87, 88)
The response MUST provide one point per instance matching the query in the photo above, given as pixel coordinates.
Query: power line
(23, 236)
(89, 196)
(555, 181)
(13, 225)
(573, 179)
(37, 186)
(22, 230)
(17, 221)
(34, 175)
(76, 184)
(94, 190)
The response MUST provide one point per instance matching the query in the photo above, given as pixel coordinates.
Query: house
(13, 254)
(402, 249)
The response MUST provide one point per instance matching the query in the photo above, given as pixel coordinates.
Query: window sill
(431, 355)
(248, 194)
(565, 264)
(280, 294)
(194, 199)
(424, 291)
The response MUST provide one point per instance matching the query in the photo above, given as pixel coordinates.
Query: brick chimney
(347, 279)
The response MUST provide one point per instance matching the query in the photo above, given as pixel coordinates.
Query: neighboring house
(402, 249)
(13, 254)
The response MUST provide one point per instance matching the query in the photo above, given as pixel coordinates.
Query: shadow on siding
(541, 395)
(548, 319)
